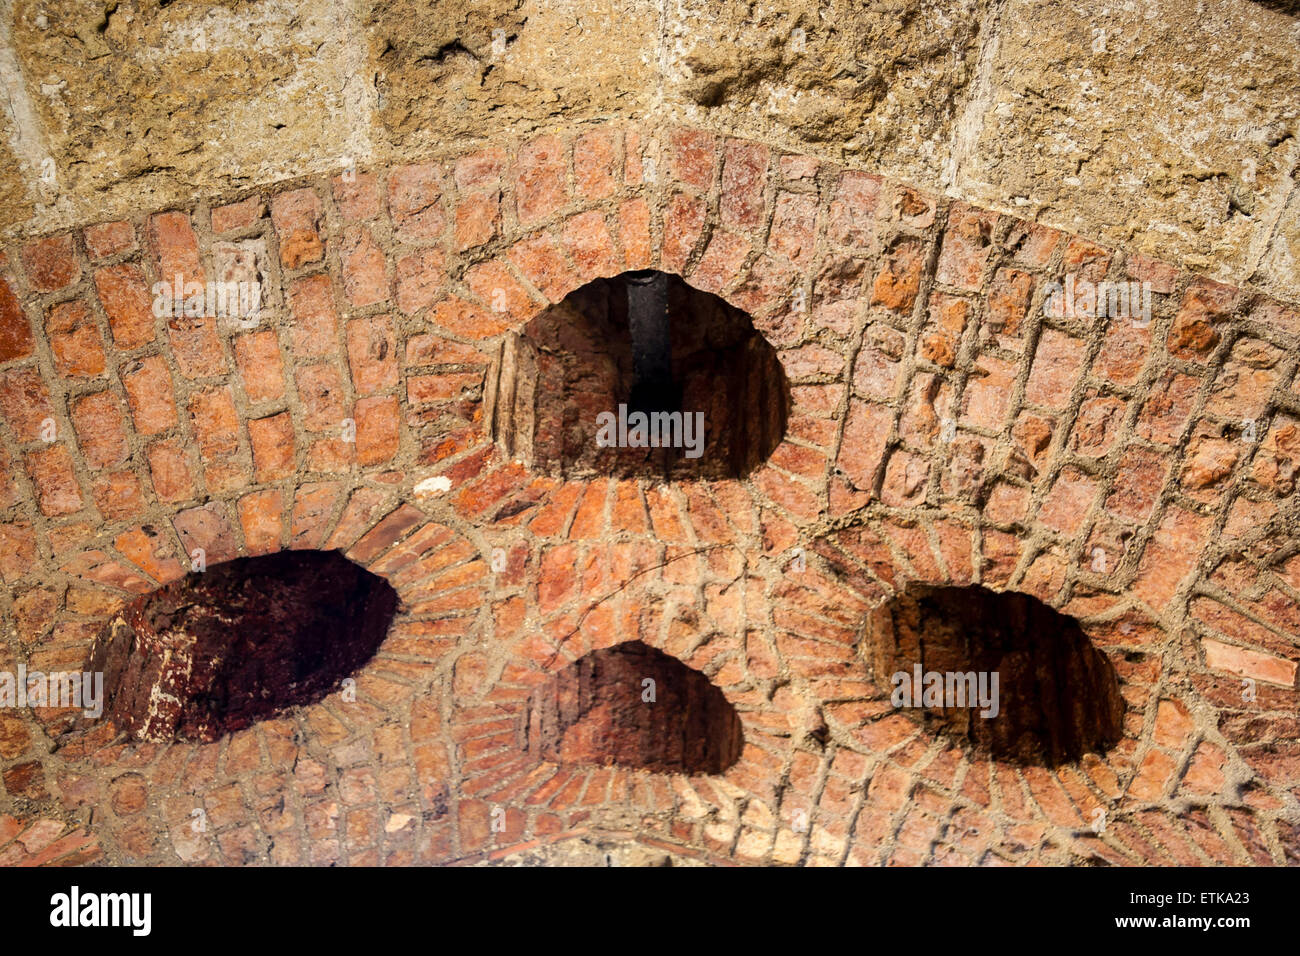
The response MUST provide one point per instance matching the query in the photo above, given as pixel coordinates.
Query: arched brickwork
(942, 431)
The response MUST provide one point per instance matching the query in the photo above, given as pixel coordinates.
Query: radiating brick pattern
(943, 431)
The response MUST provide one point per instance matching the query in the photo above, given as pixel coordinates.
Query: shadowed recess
(602, 347)
(218, 650)
(1057, 696)
(636, 707)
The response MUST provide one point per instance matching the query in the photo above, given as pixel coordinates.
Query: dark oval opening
(1057, 696)
(240, 642)
(600, 710)
(712, 390)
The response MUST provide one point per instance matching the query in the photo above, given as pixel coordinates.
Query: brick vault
(951, 459)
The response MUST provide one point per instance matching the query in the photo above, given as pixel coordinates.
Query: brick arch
(933, 399)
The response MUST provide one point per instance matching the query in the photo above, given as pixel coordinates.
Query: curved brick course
(1138, 477)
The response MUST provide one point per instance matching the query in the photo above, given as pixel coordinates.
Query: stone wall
(1168, 129)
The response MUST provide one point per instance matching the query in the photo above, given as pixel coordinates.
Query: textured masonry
(1139, 478)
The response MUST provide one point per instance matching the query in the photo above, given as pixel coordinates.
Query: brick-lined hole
(1059, 696)
(598, 711)
(576, 359)
(244, 640)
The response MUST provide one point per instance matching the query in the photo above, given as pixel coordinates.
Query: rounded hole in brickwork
(562, 395)
(634, 706)
(1003, 671)
(242, 641)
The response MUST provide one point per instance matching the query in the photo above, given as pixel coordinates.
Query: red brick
(1057, 363)
(175, 248)
(313, 506)
(75, 341)
(866, 432)
(426, 389)
(721, 262)
(1006, 503)
(433, 350)
(1085, 260)
(372, 354)
(215, 423)
(1244, 385)
(57, 490)
(170, 471)
(17, 550)
(261, 518)
(587, 239)
(420, 277)
(799, 168)
(320, 390)
(101, 429)
(357, 196)
(1206, 306)
(1247, 663)
(633, 164)
(905, 479)
(1124, 351)
(837, 293)
(196, 348)
(109, 239)
(125, 296)
(683, 223)
(1161, 276)
(118, 494)
(273, 447)
(900, 277)
(51, 264)
(468, 321)
(1097, 424)
(365, 273)
(480, 169)
(988, 392)
(794, 227)
(206, 528)
(691, 157)
(744, 179)
(296, 216)
(378, 429)
(1169, 403)
(148, 386)
(1138, 483)
(1009, 297)
(1032, 244)
(25, 403)
(1278, 459)
(967, 243)
(15, 331)
(1066, 506)
(260, 367)
(237, 215)
(315, 319)
(593, 164)
(634, 233)
(1170, 554)
(852, 214)
(541, 179)
(1209, 460)
(542, 263)
(1174, 724)
(478, 217)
